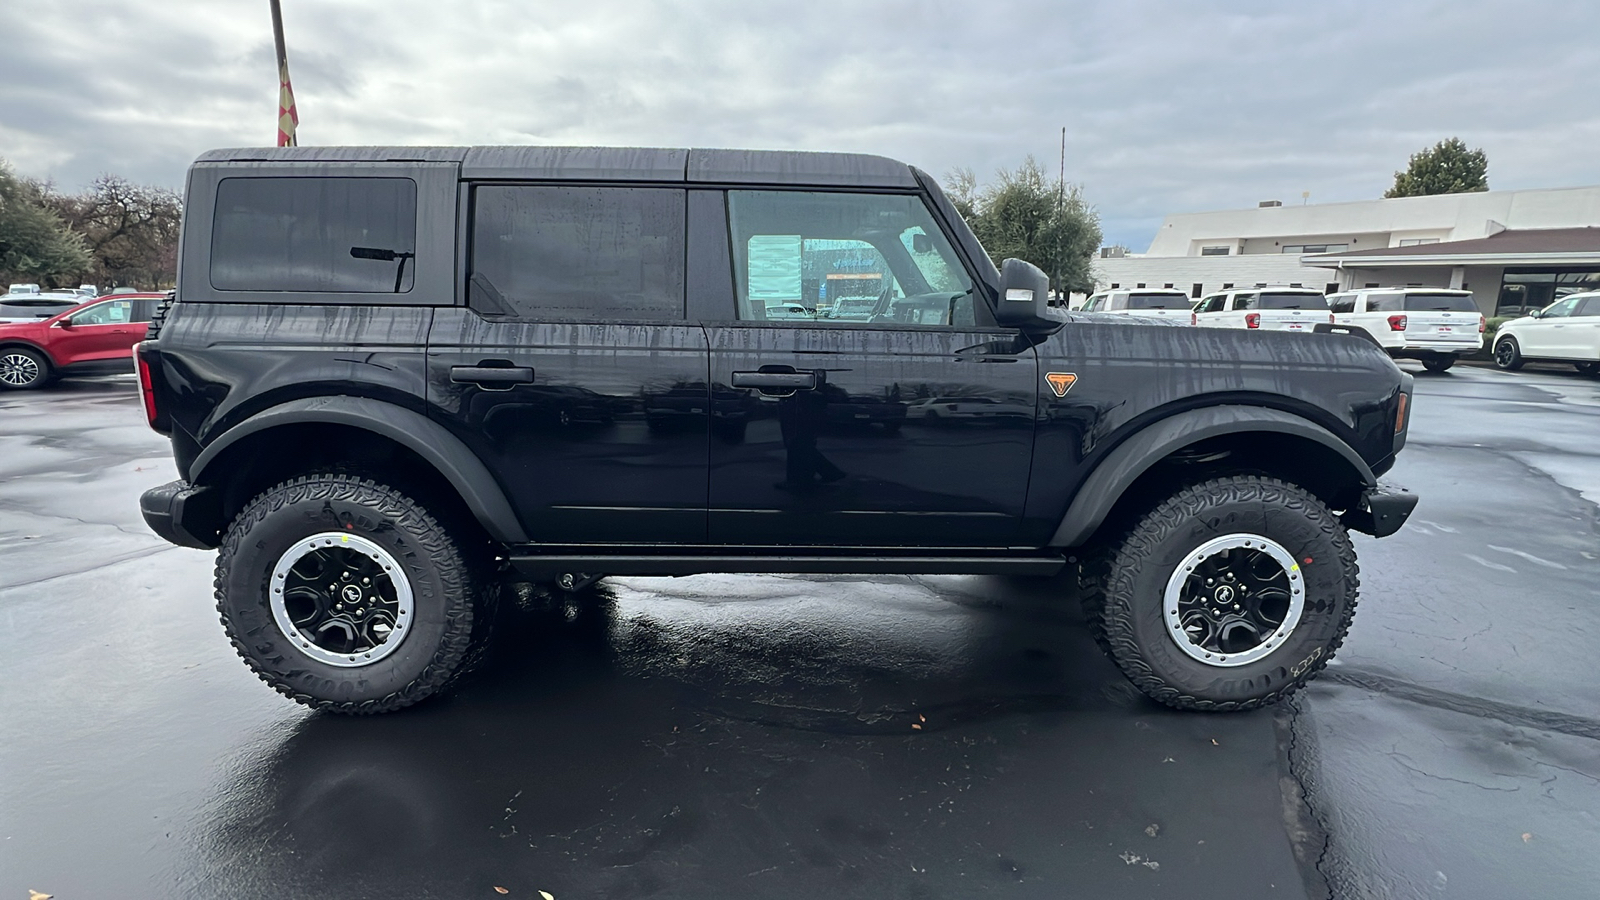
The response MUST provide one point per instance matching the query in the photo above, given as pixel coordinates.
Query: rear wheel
(1229, 595)
(1507, 355)
(22, 369)
(1438, 363)
(346, 595)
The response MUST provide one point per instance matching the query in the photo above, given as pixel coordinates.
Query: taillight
(1397, 323)
(1252, 320)
(1483, 324)
(1330, 318)
(1194, 318)
(147, 387)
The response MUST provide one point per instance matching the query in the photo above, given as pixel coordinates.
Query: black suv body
(392, 376)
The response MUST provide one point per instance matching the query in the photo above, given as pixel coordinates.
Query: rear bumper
(1428, 349)
(182, 514)
(1383, 509)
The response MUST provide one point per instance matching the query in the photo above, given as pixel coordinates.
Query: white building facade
(1542, 243)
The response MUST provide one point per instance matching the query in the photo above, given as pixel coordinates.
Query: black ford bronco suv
(396, 379)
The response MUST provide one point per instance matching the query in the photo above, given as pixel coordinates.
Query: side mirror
(62, 323)
(1024, 295)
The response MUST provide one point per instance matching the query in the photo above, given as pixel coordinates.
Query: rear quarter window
(298, 234)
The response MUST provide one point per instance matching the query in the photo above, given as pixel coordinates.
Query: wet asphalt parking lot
(771, 736)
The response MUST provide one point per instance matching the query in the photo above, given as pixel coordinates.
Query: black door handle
(776, 381)
(492, 378)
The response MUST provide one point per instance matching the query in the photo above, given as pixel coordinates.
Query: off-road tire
(43, 374)
(1438, 363)
(441, 576)
(1507, 355)
(1124, 582)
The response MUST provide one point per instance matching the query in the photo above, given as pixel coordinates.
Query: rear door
(825, 452)
(571, 372)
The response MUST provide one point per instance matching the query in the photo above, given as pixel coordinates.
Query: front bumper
(183, 514)
(1382, 510)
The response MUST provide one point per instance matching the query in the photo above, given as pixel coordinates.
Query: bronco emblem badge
(1060, 382)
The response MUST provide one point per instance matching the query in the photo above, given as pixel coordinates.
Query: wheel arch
(1204, 442)
(11, 343)
(368, 436)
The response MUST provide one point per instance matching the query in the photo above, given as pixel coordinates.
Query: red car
(92, 338)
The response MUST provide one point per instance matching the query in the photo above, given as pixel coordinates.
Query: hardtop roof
(705, 166)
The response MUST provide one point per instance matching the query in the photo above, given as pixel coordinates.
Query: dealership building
(1514, 250)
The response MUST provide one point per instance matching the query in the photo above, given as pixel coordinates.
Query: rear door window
(544, 252)
(317, 235)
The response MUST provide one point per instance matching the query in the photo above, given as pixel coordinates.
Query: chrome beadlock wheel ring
(341, 599)
(18, 369)
(1234, 600)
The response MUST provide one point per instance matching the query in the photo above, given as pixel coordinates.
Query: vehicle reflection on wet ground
(801, 736)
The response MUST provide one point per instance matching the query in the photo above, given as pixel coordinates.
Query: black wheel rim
(1234, 600)
(1503, 354)
(341, 599)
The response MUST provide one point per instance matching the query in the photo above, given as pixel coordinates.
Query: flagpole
(288, 116)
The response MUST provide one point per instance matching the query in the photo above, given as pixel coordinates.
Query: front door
(1547, 336)
(572, 373)
(883, 408)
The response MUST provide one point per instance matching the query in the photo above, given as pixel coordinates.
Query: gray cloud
(1169, 106)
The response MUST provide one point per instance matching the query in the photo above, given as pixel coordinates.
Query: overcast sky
(1169, 106)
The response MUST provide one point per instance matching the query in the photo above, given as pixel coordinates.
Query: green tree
(1028, 215)
(1447, 167)
(35, 244)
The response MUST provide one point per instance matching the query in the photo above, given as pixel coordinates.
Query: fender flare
(1130, 459)
(417, 433)
(30, 345)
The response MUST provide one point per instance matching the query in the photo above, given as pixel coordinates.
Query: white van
(1263, 308)
(1435, 325)
(1170, 304)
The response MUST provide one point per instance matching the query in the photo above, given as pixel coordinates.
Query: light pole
(288, 117)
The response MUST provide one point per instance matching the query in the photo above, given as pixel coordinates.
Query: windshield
(1442, 302)
(1158, 301)
(1307, 300)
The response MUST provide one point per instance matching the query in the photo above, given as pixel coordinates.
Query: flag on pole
(288, 118)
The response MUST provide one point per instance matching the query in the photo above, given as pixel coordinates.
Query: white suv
(1435, 325)
(1170, 304)
(1567, 330)
(1263, 308)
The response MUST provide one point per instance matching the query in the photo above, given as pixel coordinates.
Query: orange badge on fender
(1060, 382)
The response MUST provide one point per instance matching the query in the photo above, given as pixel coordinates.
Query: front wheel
(1507, 355)
(1229, 595)
(345, 595)
(22, 369)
